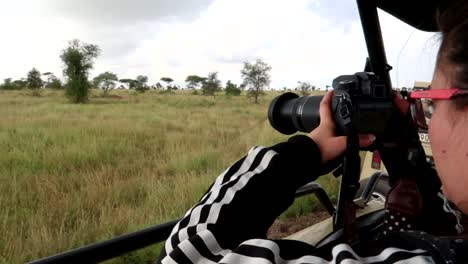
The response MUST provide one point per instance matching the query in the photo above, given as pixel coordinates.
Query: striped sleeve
(230, 222)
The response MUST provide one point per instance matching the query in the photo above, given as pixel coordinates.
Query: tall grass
(71, 174)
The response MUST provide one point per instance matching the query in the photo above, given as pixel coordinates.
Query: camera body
(361, 103)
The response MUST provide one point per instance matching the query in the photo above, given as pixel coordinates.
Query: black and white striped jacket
(230, 222)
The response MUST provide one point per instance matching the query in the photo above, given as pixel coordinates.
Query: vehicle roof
(421, 85)
(420, 14)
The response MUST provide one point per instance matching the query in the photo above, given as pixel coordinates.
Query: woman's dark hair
(452, 20)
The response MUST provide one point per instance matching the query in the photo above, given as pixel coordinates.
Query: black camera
(361, 103)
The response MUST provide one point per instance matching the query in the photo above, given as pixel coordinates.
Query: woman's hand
(401, 104)
(324, 135)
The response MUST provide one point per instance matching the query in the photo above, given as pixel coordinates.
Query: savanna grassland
(74, 174)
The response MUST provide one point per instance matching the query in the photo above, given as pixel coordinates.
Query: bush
(232, 89)
(211, 85)
(55, 84)
(78, 59)
(34, 80)
(7, 85)
(233, 92)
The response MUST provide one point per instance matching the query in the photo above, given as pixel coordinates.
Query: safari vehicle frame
(419, 14)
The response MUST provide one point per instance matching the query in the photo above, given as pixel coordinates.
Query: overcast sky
(303, 40)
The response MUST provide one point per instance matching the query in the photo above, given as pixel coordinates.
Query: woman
(229, 223)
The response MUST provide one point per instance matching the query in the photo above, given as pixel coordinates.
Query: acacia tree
(212, 84)
(305, 87)
(105, 81)
(52, 81)
(256, 76)
(141, 83)
(78, 59)
(129, 82)
(33, 79)
(168, 82)
(194, 81)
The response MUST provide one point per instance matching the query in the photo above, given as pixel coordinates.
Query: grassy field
(71, 175)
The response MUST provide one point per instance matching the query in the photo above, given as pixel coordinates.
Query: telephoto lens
(289, 113)
(361, 103)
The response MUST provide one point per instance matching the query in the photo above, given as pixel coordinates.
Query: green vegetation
(8, 85)
(256, 77)
(194, 81)
(212, 84)
(168, 82)
(232, 89)
(78, 59)
(141, 83)
(105, 81)
(75, 174)
(52, 81)
(305, 88)
(33, 79)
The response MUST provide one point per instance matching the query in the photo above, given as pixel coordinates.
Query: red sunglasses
(422, 105)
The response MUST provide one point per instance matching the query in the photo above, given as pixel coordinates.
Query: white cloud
(300, 39)
(123, 12)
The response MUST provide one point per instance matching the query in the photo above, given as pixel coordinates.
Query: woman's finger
(401, 104)
(326, 118)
